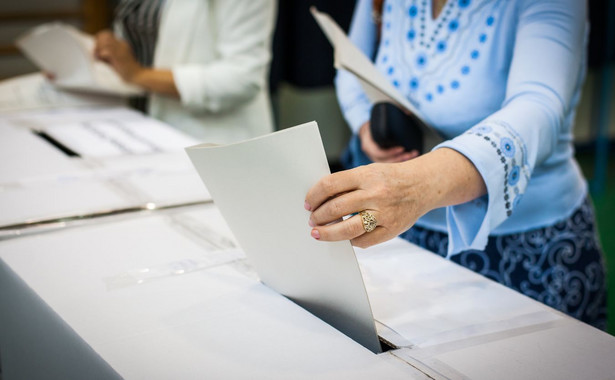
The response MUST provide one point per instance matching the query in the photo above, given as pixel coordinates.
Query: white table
(167, 294)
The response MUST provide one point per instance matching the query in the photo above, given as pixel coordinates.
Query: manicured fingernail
(307, 206)
(311, 223)
(315, 234)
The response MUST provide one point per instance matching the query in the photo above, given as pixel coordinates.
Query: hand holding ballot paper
(259, 186)
(68, 55)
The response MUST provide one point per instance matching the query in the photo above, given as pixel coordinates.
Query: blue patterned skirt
(560, 265)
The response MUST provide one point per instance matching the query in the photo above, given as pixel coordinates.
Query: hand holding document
(377, 88)
(67, 53)
(259, 186)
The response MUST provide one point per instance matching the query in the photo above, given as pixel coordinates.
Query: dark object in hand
(390, 127)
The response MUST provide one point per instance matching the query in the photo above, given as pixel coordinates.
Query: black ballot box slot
(57, 144)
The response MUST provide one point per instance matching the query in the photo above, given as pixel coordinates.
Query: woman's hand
(395, 199)
(395, 194)
(377, 154)
(118, 54)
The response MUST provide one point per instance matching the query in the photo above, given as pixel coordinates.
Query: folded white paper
(377, 88)
(259, 186)
(67, 53)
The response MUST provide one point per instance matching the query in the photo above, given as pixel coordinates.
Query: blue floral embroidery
(513, 177)
(508, 147)
(517, 200)
(414, 83)
(453, 25)
(483, 129)
(441, 46)
(433, 43)
(421, 60)
(512, 154)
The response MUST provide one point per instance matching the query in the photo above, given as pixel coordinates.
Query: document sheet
(67, 53)
(377, 88)
(259, 186)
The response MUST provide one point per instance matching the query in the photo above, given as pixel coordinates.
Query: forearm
(156, 80)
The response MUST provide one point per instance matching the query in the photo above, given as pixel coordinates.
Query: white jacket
(219, 53)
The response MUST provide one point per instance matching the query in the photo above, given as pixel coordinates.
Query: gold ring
(369, 221)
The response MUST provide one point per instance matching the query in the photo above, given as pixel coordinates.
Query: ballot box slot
(386, 345)
(57, 144)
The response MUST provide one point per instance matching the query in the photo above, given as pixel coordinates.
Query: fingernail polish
(316, 234)
(311, 223)
(307, 206)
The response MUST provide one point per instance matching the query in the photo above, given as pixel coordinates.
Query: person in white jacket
(204, 63)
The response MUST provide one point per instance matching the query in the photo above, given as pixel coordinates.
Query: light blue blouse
(501, 80)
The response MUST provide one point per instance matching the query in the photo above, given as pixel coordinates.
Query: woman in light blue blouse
(503, 195)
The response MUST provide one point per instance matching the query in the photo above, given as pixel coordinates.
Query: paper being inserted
(259, 186)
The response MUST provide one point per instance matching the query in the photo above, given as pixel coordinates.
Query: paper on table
(33, 91)
(116, 136)
(68, 54)
(259, 186)
(377, 88)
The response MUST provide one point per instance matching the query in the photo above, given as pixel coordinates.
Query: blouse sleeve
(547, 63)
(243, 32)
(354, 103)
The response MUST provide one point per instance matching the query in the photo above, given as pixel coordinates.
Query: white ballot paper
(68, 54)
(259, 185)
(377, 88)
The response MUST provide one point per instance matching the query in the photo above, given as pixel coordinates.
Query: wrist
(136, 74)
(450, 178)
(421, 189)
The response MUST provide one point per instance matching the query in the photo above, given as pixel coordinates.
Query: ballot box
(168, 294)
(155, 297)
